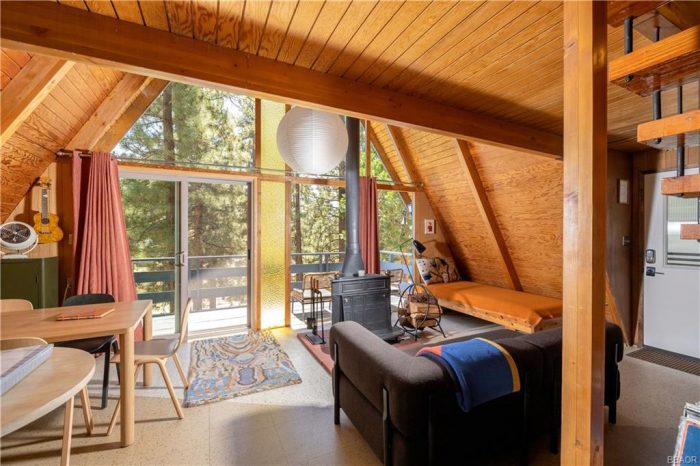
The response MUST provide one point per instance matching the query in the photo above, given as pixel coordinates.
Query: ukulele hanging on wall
(45, 223)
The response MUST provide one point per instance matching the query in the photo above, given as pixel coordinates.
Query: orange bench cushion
(527, 308)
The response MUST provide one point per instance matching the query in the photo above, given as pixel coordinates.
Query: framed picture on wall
(429, 228)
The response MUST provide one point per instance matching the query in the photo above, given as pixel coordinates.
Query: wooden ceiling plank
(101, 7)
(446, 45)
(508, 43)
(229, 23)
(431, 17)
(123, 123)
(17, 57)
(27, 90)
(128, 10)
(682, 14)
(180, 17)
(278, 23)
(400, 22)
(387, 164)
(352, 21)
(146, 51)
(332, 14)
(154, 14)
(374, 24)
(252, 26)
(206, 13)
(111, 108)
(428, 42)
(303, 20)
(585, 189)
(487, 213)
(80, 4)
(491, 35)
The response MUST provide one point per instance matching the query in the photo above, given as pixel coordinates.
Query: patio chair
(395, 280)
(94, 345)
(158, 351)
(303, 295)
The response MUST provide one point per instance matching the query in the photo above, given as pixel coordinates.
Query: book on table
(16, 364)
(86, 314)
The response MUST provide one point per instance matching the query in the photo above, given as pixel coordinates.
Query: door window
(684, 252)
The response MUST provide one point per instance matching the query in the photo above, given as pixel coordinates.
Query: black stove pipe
(353, 255)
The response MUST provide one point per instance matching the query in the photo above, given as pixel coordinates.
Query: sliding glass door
(190, 237)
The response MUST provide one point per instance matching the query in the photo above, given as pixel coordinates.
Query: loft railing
(221, 282)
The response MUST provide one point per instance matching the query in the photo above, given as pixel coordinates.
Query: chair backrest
(12, 343)
(184, 319)
(7, 305)
(90, 298)
(395, 275)
(324, 279)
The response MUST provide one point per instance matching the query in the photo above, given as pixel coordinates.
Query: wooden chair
(94, 345)
(303, 295)
(158, 351)
(9, 305)
(14, 343)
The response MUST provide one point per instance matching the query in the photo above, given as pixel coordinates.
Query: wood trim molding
(113, 106)
(466, 160)
(64, 32)
(585, 190)
(127, 119)
(27, 90)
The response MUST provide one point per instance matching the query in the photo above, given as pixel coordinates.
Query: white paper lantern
(311, 141)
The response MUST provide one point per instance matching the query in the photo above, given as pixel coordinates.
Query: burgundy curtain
(369, 224)
(100, 244)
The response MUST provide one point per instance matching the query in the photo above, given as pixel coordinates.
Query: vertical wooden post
(256, 255)
(585, 167)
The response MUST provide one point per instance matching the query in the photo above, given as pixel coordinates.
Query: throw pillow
(448, 270)
(428, 270)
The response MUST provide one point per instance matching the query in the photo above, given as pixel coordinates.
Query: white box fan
(17, 239)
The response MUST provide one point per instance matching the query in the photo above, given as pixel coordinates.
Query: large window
(195, 126)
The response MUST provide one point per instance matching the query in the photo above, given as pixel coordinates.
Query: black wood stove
(364, 299)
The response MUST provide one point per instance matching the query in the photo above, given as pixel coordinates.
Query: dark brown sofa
(404, 406)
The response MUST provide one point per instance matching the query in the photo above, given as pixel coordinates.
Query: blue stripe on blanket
(481, 369)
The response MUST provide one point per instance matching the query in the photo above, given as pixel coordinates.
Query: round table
(54, 383)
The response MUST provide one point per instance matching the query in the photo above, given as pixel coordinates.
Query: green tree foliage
(194, 126)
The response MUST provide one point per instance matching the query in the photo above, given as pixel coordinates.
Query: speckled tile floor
(294, 425)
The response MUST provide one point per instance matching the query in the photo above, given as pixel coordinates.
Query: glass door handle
(180, 259)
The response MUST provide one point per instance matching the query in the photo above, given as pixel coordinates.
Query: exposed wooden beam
(667, 63)
(124, 123)
(690, 232)
(27, 90)
(619, 10)
(374, 140)
(466, 160)
(585, 175)
(111, 108)
(49, 28)
(681, 186)
(682, 127)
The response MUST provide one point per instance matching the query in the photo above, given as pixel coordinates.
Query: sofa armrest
(372, 365)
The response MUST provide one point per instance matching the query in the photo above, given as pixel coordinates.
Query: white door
(672, 271)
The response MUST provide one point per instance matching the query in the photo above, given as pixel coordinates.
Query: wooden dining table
(123, 322)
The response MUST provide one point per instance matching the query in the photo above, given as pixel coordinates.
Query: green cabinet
(35, 280)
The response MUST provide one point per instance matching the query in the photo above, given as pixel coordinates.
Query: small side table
(54, 383)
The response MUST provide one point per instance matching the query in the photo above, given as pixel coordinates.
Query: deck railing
(155, 277)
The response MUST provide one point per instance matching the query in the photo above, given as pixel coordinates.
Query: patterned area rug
(238, 365)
